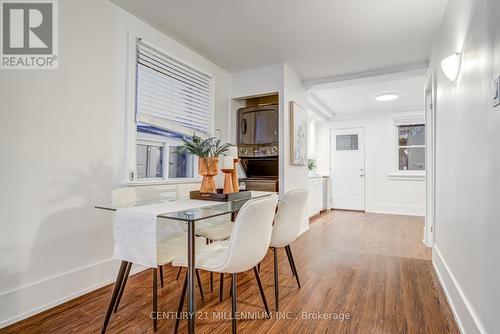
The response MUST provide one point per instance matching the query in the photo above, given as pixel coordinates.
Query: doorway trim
(430, 158)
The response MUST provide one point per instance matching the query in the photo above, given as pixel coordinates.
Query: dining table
(190, 217)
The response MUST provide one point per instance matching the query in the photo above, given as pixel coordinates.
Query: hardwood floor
(370, 267)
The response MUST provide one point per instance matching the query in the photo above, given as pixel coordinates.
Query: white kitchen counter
(312, 176)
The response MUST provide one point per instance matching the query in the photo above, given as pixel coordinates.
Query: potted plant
(311, 165)
(208, 151)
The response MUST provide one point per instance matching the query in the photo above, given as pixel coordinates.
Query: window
(411, 147)
(149, 160)
(171, 100)
(346, 142)
(180, 165)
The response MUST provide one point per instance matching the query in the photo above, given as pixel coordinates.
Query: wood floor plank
(372, 267)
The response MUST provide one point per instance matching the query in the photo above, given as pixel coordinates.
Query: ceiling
(317, 39)
(360, 98)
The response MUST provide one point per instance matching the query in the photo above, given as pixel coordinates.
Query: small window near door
(411, 147)
(347, 142)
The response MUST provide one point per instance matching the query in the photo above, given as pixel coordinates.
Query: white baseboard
(25, 301)
(407, 210)
(467, 319)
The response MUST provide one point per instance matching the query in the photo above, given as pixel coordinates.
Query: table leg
(191, 277)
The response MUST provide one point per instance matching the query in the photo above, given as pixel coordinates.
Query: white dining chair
(246, 247)
(171, 243)
(213, 229)
(287, 227)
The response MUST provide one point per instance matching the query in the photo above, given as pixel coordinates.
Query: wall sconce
(450, 66)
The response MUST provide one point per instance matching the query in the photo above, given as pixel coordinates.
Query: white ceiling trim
(380, 75)
(319, 106)
(363, 114)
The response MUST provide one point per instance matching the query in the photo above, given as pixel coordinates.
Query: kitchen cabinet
(316, 196)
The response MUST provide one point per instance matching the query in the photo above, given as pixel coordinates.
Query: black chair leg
(114, 295)
(293, 265)
(221, 287)
(259, 283)
(208, 241)
(200, 287)
(234, 295)
(178, 273)
(155, 298)
(289, 260)
(181, 304)
(161, 276)
(122, 287)
(258, 267)
(276, 279)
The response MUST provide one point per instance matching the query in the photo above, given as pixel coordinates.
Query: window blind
(172, 95)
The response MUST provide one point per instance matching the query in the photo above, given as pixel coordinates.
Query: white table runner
(135, 229)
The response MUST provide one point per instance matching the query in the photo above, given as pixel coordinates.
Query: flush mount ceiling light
(450, 66)
(386, 97)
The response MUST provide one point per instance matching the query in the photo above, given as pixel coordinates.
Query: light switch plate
(496, 91)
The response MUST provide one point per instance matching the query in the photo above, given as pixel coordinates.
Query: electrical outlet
(496, 91)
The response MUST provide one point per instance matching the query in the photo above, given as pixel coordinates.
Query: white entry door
(348, 168)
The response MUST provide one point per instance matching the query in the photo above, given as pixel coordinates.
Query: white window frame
(131, 136)
(152, 140)
(413, 118)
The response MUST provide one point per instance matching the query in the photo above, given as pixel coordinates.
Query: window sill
(163, 182)
(406, 176)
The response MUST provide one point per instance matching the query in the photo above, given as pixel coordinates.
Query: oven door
(258, 127)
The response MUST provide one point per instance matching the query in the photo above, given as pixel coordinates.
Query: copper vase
(208, 168)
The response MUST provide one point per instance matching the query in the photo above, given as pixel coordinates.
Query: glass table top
(217, 209)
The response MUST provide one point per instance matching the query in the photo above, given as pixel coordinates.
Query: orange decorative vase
(208, 167)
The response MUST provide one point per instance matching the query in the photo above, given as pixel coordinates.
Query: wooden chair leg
(155, 298)
(161, 276)
(221, 287)
(276, 279)
(181, 304)
(293, 265)
(114, 295)
(122, 287)
(200, 286)
(234, 294)
(259, 283)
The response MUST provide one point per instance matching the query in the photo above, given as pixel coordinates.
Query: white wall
(382, 194)
(258, 81)
(295, 176)
(62, 147)
(467, 229)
